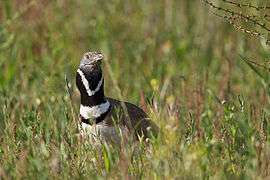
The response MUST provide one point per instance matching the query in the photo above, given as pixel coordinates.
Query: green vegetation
(190, 70)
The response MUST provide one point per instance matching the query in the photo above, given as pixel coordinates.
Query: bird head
(89, 73)
(91, 59)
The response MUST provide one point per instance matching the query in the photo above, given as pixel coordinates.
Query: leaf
(106, 158)
(252, 66)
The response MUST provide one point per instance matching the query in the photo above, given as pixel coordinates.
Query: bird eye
(99, 56)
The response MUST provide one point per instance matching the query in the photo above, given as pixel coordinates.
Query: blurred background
(176, 59)
(43, 40)
(177, 41)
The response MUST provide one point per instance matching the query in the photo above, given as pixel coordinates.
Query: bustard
(104, 118)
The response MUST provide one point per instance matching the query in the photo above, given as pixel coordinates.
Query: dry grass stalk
(237, 17)
(249, 5)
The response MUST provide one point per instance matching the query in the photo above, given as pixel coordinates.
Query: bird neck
(94, 97)
(94, 114)
(94, 105)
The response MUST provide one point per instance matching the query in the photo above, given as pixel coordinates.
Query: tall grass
(174, 58)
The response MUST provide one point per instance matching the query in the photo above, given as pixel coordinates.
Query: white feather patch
(86, 84)
(98, 133)
(94, 111)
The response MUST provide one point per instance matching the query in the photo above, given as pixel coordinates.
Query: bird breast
(98, 133)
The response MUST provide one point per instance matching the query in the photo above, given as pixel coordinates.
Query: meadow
(184, 65)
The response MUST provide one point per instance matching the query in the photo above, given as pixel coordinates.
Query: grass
(184, 65)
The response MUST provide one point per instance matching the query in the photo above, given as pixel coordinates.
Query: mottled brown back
(136, 120)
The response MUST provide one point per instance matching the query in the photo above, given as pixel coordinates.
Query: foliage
(188, 69)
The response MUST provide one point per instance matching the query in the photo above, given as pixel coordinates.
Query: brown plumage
(135, 120)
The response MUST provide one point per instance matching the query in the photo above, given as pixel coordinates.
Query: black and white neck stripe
(94, 105)
(91, 89)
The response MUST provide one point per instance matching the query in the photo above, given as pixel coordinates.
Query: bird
(104, 119)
